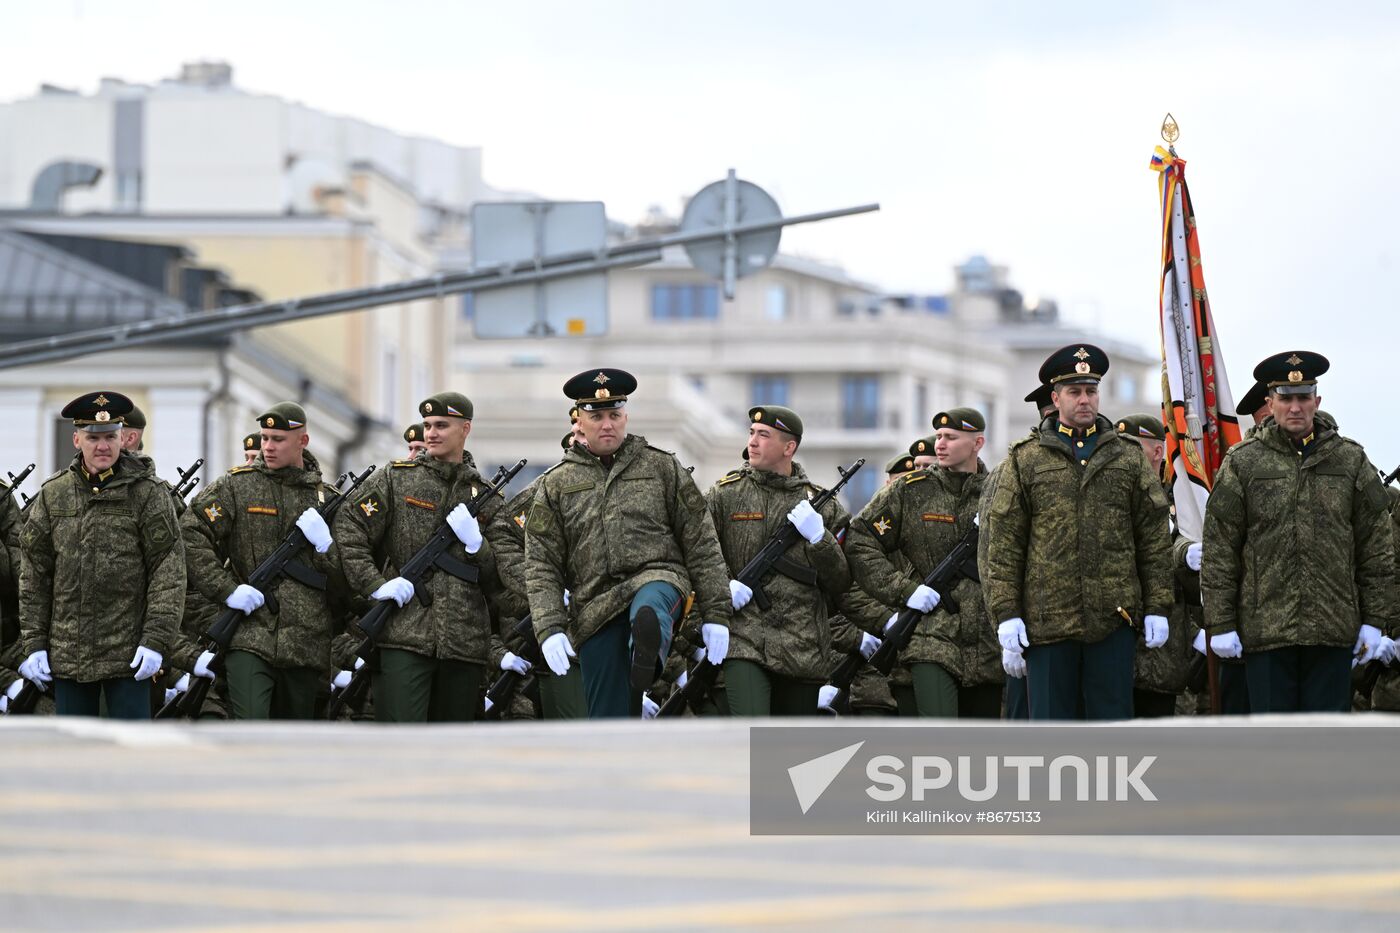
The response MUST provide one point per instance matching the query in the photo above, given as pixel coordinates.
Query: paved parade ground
(574, 826)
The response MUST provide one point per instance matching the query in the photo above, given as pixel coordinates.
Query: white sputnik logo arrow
(811, 778)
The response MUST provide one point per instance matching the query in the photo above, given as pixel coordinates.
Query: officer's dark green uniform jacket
(101, 573)
(1297, 550)
(793, 638)
(390, 518)
(604, 533)
(238, 521)
(1069, 544)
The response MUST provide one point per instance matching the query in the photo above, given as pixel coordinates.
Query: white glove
(1193, 556)
(488, 705)
(1367, 641)
(201, 666)
(36, 668)
(1012, 635)
(11, 693)
(826, 696)
(566, 599)
(245, 599)
(181, 685)
(1386, 652)
(1155, 630)
(465, 526)
(682, 680)
(923, 599)
(397, 589)
(869, 644)
(557, 650)
(716, 638)
(317, 532)
(1014, 663)
(808, 522)
(889, 623)
(1199, 642)
(649, 707)
(146, 663)
(514, 662)
(1227, 645)
(341, 680)
(739, 595)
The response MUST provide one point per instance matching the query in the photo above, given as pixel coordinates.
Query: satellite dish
(722, 206)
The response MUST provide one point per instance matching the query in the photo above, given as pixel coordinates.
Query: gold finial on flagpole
(1170, 131)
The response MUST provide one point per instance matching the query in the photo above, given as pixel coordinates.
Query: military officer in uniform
(413, 437)
(281, 650)
(133, 430)
(1298, 565)
(433, 652)
(921, 518)
(1255, 404)
(778, 657)
(621, 525)
(1078, 554)
(897, 467)
(921, 451)
(252, 446)
(98, 636)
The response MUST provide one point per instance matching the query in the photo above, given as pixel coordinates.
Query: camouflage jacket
(604, 533)
(793, 637)
(922, 516)
(1069, 544)
(232, 526)
(392, 516)
(101, 573)
(1297, 550)
(860, 612)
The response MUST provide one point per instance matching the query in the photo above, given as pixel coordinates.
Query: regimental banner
(1198, 410)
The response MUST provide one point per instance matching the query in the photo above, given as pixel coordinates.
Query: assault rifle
(771, 556)
(509, 683)
(960, 564)
(417, 570)
(265, 578)
(182, 487)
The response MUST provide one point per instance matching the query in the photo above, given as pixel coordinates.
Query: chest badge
(369, 507)
(882, 526)
(213, 513)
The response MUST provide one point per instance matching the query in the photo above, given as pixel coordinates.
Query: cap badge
(758, 416)
(602, 393)
(1081, 354)
(921, 446)
(1081, 368)
(602, 380)
(103, 416)
(1293, 360)
(943, 420)
(427, 406)
(269, 422)
(100, 400)
(1295, 375)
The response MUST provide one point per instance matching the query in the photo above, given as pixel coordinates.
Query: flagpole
(1171, 132)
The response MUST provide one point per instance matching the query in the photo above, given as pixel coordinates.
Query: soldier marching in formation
(611, 578)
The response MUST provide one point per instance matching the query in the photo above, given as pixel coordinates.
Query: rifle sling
(304, 575)
(467, 573)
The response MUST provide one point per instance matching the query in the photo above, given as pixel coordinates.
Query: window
(921, 402)
(684, 302)
(468, 306)
(1127, 390)
(775, 306)
(768, 390)
(860, 402)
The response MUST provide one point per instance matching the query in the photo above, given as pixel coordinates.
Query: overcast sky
(1021, 131)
